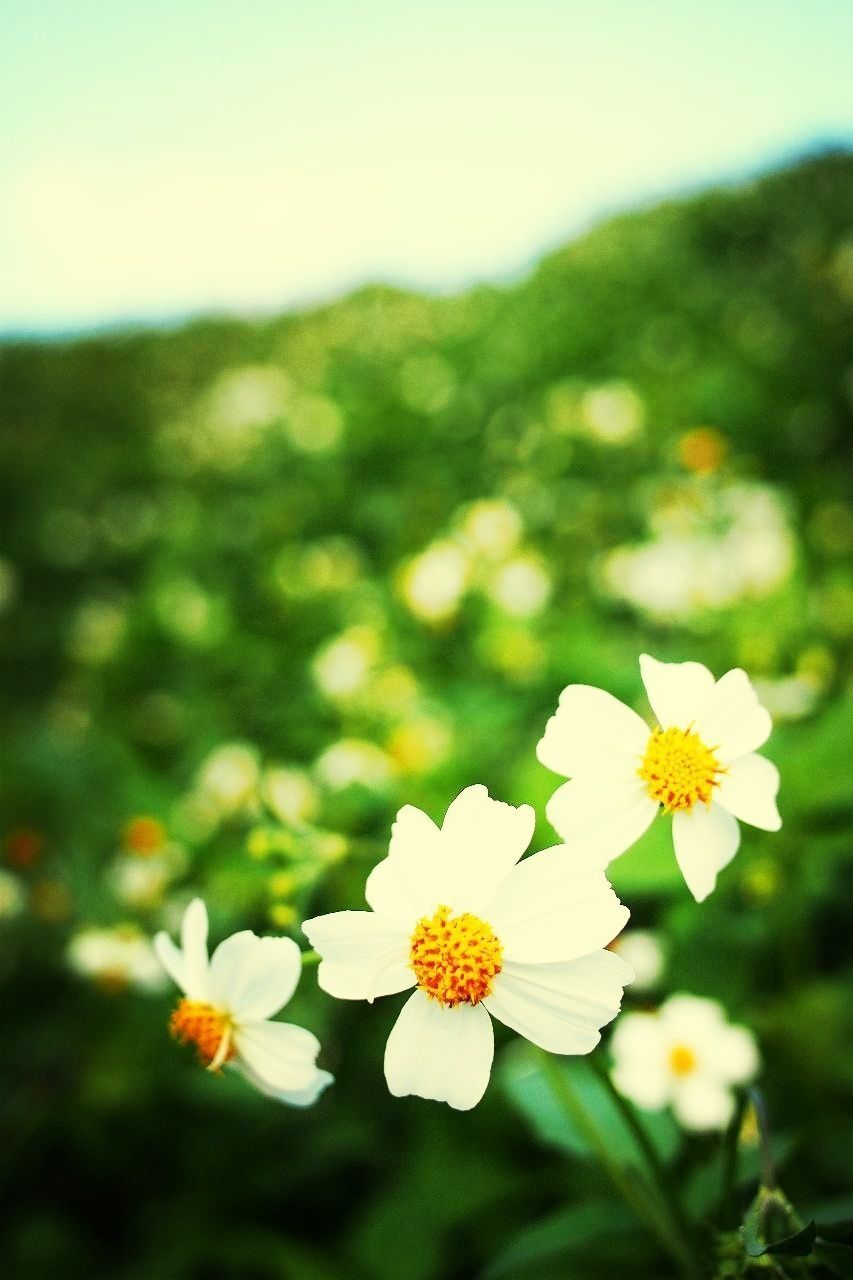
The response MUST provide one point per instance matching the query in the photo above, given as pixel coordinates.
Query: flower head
(116, 958)
(686, 1055)
(699, 764)
(228, 1002)
(455, 915)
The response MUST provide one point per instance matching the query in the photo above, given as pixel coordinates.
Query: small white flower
(229, 1000)
(116, 958)
(700, 764)
(643, 951)
(686, 1055)
(454, 916)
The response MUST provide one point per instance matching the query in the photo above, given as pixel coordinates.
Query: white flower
(700, 764)
(643, 951)
(454, 916)
(116, 958)
(685, 1055)
(229, 1000)
(433, 583)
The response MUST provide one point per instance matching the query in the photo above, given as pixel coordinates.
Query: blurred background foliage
(264, 582)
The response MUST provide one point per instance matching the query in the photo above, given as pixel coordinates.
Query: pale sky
(163, 157)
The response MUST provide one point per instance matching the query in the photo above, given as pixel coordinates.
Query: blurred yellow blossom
(702, 450)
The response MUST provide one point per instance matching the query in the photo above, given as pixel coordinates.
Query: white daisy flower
(454, 916)
(686, 1055)
(228, 1001)
(699, 763)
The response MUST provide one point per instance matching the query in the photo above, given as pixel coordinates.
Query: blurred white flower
(11, 896)
(686, 1055)
(708, 552)
(240, 406)
(521, 586)
(140, 882)
(492, 528)
(229, 777)
(791, 697)
(97, 631)
(643, 951)
(699, 764)
(612, 413)
(116, 958)
(341, 668)
(290, 794)
(352, 760)
(433, 583)
(454, 916)
(228, 1003)
(8, 583)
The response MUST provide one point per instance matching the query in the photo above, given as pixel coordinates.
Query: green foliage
(226, 666)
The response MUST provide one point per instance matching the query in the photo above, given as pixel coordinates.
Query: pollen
(682, 1060)
(455, 958)
(194, 1022)
(679, 769)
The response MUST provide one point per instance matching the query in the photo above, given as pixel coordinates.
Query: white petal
(706, 838)
(280, 1054)
(194, 947)
(171, 958)
(555, 905)
(702, 1104)
(483, 839)
(440, 1052)
(591, 734)
(732, 1058)
(677, 691)
(406, 884)
(560, 1007)
(363, 954)
(254, 977)
(293, 1097)
(733, 722)
(694, 1020)
(748, 790)
(609, 815)
(640, 1068)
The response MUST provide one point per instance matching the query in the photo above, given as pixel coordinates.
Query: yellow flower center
(207, 1028)
(679, 769)
(455, 958)
(682, 1060)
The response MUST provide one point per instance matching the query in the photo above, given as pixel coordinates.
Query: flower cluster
(476, 932)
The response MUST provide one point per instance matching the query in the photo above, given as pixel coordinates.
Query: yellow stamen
(210, 1030)
(682, 1060)
(455, 958)
(679, 769)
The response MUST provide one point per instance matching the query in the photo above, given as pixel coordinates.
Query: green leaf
(768, 1215)
(836, 1256)
(558, 1234)
(528, 1087)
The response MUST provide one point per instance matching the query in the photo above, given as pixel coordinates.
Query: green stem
(657, 1168)
(728, 1177)
(633, 1190)
(309, 958)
